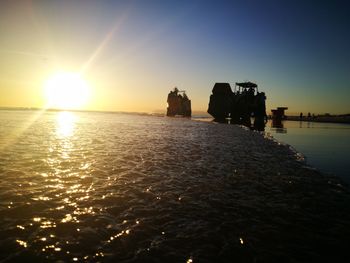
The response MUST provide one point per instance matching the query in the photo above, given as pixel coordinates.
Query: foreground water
(100, 187)
(325, 145)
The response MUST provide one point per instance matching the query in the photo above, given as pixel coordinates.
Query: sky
(132, 53)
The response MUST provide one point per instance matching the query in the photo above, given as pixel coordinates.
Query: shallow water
(325, 145)
(101, 187)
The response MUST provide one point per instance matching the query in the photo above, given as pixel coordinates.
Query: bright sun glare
(66, 90)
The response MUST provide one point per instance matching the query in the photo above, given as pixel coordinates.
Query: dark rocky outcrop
(178, 104)
(239, 106)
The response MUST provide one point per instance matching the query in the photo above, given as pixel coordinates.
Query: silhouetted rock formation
(220, 101)
(278, 114)
(239, 105)
(178, 104)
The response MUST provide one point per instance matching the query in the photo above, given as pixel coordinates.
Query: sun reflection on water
(65, 124)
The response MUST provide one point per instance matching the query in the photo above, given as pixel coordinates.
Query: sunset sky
(131, 53)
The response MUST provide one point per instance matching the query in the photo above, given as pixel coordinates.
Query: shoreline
(301, 155)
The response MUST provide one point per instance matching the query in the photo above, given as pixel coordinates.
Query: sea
(113, 187)
(325, 146)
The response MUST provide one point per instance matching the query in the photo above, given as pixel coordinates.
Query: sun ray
(103, 44)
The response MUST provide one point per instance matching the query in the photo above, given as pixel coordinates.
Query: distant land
(342, 118)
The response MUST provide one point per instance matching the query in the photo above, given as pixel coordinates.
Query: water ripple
(110, 187)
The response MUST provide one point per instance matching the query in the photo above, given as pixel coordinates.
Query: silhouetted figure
(309, 115)
(301, 116)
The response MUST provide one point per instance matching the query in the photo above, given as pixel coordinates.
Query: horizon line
(154, 112)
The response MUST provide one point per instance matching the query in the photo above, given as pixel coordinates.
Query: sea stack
(220, 101)
(239, 105)
(178, 103)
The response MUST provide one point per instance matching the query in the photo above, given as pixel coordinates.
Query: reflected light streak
(65, 124)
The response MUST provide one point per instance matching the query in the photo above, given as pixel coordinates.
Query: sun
(66, 90)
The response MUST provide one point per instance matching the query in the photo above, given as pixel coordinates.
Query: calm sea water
(326, 146)
(99, 187)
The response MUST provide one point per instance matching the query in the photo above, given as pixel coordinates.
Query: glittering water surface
(112, 187)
